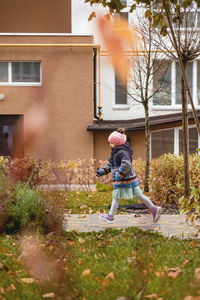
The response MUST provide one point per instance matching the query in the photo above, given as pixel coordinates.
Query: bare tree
(182, 43)
(146, 67)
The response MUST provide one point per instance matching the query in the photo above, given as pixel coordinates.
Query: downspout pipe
(95, 83)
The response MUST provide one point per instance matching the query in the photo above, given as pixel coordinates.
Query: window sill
(175, 108)
(20, 83)
(166, 108)
(121, 107)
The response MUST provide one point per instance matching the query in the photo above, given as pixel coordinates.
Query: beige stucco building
(56, 79)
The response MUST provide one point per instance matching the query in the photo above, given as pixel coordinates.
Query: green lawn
(107, 265)
(139, 263)
(12, 273)
(85, 201)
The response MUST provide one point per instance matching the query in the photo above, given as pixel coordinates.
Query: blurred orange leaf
(117, 37)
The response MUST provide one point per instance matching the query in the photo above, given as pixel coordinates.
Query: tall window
(162, 142)
(20, 72)
(193, 140)
(120, 92)
(191, 19)
(198, 81)
(169, 79)
(189, 74)
(162, 83)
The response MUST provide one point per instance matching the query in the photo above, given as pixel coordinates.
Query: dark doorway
(11, 131)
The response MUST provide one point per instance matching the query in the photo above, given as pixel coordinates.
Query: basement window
(162, 142)
(20, 73)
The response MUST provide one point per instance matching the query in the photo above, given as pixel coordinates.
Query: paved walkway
(168, 225)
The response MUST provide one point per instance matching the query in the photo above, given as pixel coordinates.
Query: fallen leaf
(186, 262)
(82, 216)
(174, 272)
(2, 291)
(91, 211)
(106, 280)
(110, 275)
(152, 296)
(48, 295)
(28, 280)
(131, 259)
(86, 272)
(71, 242)
(83, 206)
(159, 274)
(191, 244)
(81, 241)
(12, 286)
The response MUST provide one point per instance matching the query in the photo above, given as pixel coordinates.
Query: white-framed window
(169, 80)
(120, 92)
(171, 141)
(162, 83)
(191, 19)
(20, 73)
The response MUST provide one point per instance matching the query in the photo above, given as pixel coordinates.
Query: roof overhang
(139, 124)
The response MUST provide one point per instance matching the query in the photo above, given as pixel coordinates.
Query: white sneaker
(156, 213)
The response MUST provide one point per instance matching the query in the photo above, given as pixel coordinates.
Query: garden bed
(142, 209)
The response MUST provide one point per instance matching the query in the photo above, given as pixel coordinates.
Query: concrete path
(168, 225)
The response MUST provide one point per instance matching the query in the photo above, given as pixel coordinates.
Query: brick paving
(168, 225)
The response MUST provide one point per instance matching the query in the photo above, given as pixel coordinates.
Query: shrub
(26, 170)
(139, 167)
(27, 210)
(78, 172)
(167, 178)
(6, 189)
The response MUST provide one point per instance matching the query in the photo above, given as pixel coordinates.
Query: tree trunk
(185, 135)
(147, 144)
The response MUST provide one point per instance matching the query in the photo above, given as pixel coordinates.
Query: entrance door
(11, 129)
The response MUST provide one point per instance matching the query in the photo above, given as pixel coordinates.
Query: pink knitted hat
(117, 138)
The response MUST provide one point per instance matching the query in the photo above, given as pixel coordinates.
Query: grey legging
(143, 198)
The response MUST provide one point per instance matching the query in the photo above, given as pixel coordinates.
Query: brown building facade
(54, 79)
(64, 88)
(35, 16)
